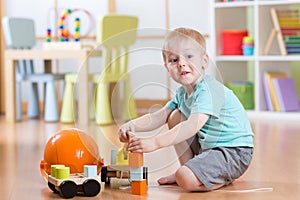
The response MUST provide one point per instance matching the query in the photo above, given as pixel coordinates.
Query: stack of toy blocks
(138, 183)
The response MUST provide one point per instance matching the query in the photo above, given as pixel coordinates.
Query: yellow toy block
(53, 169)
(121, 158)
(139, 187)
(62, 173)
(136, 160)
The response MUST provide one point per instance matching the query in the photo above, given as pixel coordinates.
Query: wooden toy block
(113, 156)
(120, 159)
(125, 151)
(62, 173)
(137, 174)
(53, 169)
(136, 160)
(122, 174)
(139, 187)
(90, 170)
(118, 171)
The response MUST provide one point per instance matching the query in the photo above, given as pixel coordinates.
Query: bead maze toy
(69, 185)
(48, 37)
(77, 28)
(64, 33)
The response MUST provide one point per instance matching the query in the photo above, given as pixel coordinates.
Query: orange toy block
(139, 187)
(136, 160)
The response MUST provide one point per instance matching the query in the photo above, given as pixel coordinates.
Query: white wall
(146, 67)
(43, 11)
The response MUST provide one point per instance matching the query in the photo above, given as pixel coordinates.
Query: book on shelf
(267, 93)
(292, 44)
(288, 24)
(286, 94)
(269, 89)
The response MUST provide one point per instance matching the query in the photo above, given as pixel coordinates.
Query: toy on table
(64, 33)
(69, 185)
(73, 148)
(248, 46)
(77, 30)
(127, 165)
(48, 37)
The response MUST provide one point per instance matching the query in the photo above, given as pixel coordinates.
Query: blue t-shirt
(228, 124)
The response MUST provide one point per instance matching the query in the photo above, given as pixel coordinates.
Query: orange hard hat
(72, 148)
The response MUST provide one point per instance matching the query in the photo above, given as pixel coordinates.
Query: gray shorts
(220, 165)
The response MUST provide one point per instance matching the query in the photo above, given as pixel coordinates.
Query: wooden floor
(274, 171)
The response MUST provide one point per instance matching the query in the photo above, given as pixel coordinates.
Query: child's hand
(123, 136)
(123, 132)
(142, 145)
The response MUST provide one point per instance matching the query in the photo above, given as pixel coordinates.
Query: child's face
(186, 62)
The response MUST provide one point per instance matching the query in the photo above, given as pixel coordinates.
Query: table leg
(83, 93)
(10, 90)
(47, 66)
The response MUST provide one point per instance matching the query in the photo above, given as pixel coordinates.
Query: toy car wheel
(91, 187)
(104, 177)
(52, 187)
(68, 189)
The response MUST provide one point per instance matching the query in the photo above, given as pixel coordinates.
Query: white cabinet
(254, 16)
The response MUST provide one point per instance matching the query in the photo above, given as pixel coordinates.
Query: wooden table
(81, 55)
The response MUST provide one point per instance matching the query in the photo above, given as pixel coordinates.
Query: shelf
(256, 18)
(234, 4)
(252, 3)
(259, 58)
(235, 58)
(280, 58)
(274, 3)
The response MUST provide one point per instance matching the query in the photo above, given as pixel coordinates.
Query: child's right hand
(123, 132)
(123, 136)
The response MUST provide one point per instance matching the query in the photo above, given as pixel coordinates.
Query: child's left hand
(142, 145)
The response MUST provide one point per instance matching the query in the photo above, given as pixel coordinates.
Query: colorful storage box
(244, 90)
(232, 41)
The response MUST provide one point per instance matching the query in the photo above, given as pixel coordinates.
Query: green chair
(115, 34)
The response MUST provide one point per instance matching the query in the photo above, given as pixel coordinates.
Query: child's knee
(175, 118)
(186, 179)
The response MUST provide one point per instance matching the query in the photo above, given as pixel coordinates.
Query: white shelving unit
(254, 16)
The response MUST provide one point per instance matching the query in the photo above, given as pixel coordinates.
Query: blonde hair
(183, 33)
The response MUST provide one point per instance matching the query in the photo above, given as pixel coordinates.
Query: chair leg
(33, 110)
(129, 107)
(103, 111)
(92, 102)
(51, 105)
(68, 104)
(18, 101)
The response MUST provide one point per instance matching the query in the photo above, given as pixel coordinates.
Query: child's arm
(146, 122)
(179, 133)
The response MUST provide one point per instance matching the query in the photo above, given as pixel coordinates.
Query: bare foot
(171, 179)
